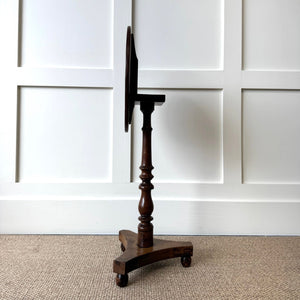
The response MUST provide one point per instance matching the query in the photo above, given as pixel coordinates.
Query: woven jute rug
(80, 267)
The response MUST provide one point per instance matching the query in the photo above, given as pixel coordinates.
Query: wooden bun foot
(122, 280)
(186, 261)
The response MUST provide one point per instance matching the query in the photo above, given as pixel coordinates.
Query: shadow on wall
(189, 133)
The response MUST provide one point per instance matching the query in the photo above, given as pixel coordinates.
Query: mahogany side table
(142, 249)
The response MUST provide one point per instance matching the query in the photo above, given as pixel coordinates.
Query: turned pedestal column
(145, 228)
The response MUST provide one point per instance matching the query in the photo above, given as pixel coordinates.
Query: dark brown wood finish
(131, 77)
(127, 82)
(141, 249)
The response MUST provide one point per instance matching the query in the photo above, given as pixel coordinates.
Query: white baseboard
(170, 217)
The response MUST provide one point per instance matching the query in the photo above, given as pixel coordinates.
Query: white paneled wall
(226, 143)
(166, 31)
(198, 112)
(66, 33)
(269, 157)
(62, 138)
(271, 35)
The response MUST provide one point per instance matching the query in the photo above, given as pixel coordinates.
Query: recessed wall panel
(64, 135)
(187, 137)
(271, 136)
(271, 34)
(176, 34)
(62, 33)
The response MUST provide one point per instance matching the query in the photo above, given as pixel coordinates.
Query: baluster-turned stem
(145, 227)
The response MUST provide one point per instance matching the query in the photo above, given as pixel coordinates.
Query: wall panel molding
(196, 42)
(181, 79)
(270, 30)
(76, 37)
(285, 80)
(65, 77)
(64, 134)
(213, 49)
(271, 129)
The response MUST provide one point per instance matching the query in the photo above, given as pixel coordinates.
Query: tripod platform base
(135, 257)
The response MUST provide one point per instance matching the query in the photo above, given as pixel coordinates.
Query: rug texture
(80, 267)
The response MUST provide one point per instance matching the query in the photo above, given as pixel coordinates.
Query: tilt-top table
(141, 249)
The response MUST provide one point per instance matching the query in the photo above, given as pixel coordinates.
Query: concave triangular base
(135, 257)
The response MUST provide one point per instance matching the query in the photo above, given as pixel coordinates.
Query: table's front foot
(122, 280)
(186, 261)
